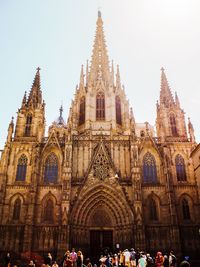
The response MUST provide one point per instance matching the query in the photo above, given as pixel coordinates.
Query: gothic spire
(99, 69)
(35, 95)
(118, 80)
(166, 97)
(81, 77)
(177, 100)
(24, 100)
(191, 131)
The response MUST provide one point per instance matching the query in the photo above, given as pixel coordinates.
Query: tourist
(149, 260)
(7, 260)
(132, 258)
(127, 256)
(31, 264)
(165, 261)
(137, 256)
(185, 262)
(73, 257)
(159, 259)
(79, 260)
(121, 258)
(172, 259)
(68, 262)
(115, 260)
(142, 261)
(48, 259)
(55, 264)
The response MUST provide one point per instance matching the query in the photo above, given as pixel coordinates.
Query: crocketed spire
(35, 96)
(99, 68)
(166, 97)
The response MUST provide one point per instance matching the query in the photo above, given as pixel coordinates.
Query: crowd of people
(126, 258)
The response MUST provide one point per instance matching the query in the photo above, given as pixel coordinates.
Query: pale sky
(141, 36)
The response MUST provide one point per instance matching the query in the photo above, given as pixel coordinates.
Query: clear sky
(57, 35)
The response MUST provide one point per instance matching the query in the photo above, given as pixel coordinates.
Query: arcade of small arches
(110, 206)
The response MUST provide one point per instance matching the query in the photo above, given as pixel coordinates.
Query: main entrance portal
(99, 241)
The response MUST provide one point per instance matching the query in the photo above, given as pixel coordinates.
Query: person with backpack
(149, 260)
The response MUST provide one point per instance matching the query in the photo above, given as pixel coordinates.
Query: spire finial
(61, 110)
(99, 13)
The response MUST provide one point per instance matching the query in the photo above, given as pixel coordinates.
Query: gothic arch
(173, 124)
(152, 210)
(12, 202)
(21, 168)
(180, 166)
(82, 111)
(29, 121)
(101, 196)
(186, 207)
(48, 208)
(100, 106)
(58, 158)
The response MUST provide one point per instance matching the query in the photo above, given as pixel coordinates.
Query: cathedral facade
(100, 179)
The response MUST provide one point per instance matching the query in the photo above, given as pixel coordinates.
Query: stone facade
(101, 176)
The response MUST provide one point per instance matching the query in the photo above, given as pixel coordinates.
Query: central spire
(99, 69)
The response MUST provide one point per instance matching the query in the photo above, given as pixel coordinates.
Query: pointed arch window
(173, 125)
(51, 169)
(180, 168)
(82, 111)
(17, 209)
(100, 106)
(153, 215)
(149, 169)
(118, 110)
(186, 210)
(48, 211)
(21, 168)
(28, 125)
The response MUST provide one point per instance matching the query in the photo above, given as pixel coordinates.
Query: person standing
(7, 260)
(79, 260)
(159, 259)
(166, 261)
(142, 261)
(127, 256)
(73, 257)
(172, 259)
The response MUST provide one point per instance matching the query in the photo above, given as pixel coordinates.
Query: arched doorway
(101, 218)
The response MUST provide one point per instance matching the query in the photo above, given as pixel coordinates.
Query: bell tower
(170, 122)
(30, 117)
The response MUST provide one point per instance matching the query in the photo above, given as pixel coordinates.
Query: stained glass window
(51, 169)
(186, 210)
(82, 111)
(153, 210)
(49, 211)
(100, 106)
(118, 110)
(28, 125)
(180, 168)
(17, 209)
(21, 168)
(173, 125)
(149, 169)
